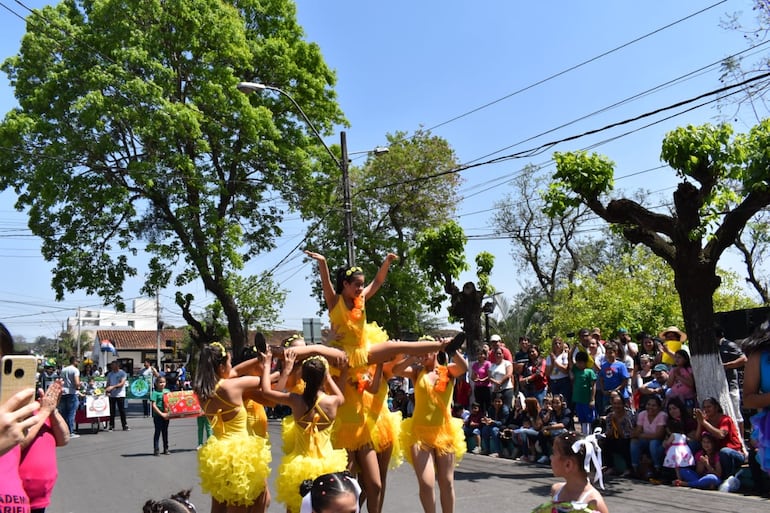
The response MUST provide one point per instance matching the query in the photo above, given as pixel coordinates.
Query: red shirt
(732, 440)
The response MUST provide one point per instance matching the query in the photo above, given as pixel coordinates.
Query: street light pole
(347, 202)
(343, 165)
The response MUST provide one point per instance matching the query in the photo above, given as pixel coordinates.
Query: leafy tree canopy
(396, 196)
(131, 138)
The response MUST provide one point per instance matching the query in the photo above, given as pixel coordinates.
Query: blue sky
(403, 65)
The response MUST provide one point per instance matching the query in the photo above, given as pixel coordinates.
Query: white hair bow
(593, 454)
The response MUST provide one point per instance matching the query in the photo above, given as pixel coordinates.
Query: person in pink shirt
(38, 469)
(482, 387)
(648, 436)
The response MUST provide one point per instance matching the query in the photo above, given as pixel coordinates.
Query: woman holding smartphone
(16, 417)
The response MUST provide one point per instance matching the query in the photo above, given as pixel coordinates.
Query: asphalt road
(116, 472)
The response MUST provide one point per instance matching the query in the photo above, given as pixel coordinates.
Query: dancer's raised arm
(330, 296)
(382, 274)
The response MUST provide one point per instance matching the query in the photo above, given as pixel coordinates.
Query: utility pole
(159, 327)
(346, 200)
(78, 342)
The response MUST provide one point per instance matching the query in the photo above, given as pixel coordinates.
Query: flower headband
(353, 270)
(320, 359)
(219, 347)
(593, 454)
(287, 341)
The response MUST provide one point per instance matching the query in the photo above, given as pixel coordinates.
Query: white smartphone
(17, 372)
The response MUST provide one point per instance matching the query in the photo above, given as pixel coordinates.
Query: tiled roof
(135, 340)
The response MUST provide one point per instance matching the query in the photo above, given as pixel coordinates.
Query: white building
(143, 316)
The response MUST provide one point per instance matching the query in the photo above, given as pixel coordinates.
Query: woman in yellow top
(366, 345)
(433, 439)
(233, 465)
(313, 411)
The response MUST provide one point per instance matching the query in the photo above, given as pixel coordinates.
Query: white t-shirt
(562, 359)
(498, 372)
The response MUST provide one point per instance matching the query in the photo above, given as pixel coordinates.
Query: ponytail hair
(206, 378)
(313, 374)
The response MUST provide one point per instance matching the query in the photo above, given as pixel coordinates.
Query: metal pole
(157, 332)
(78, 341)
(347, 205)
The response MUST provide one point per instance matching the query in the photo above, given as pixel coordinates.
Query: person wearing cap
(596, 334)
(657, 387)
(672, 342)
(496, 342)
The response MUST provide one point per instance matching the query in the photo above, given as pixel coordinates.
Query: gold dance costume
(233, 465)
(356, 335)
(356, 426)
(386, 431)
(432, 426)
(312, 455)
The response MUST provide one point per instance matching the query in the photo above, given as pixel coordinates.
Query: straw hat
(673, 329)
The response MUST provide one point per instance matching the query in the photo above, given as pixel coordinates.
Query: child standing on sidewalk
(159, 415)
(584, 392)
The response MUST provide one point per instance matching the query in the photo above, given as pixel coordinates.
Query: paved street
(117, 472)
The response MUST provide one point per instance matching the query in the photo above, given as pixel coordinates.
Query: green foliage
(131, 138)
(579, 178)
(636, 293)
(441, 252)
(484, 263)
(394, 196)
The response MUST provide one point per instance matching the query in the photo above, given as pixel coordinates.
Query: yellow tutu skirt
(387, 435)
(233, 469)
(295, 468)
(444, 439)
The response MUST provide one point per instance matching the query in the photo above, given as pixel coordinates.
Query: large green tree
(396, 195)
(724, 183)
(130, 138)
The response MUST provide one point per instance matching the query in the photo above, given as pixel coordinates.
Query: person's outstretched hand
(16, 417)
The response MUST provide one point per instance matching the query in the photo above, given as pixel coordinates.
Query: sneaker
(544, 460)
(156, 452)
(476, 450)
(74, 435)
(199, 447)
(494, 455)
(166, 452)
(731, 484)
(111, 428)
(126, 428)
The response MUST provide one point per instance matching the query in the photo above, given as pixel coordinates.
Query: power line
(574, 67)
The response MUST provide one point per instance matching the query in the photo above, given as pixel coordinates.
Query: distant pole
(78, 341)
(159, 326)
(346, 200)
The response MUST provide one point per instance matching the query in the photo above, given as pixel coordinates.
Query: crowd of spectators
(641, 394)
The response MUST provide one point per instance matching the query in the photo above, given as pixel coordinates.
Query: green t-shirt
(581, 387)
(157, 398)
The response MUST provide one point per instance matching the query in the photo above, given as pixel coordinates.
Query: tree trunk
(238, 337)
(696, 285)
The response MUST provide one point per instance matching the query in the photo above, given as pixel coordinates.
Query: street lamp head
(250, 87)
(380, 150)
